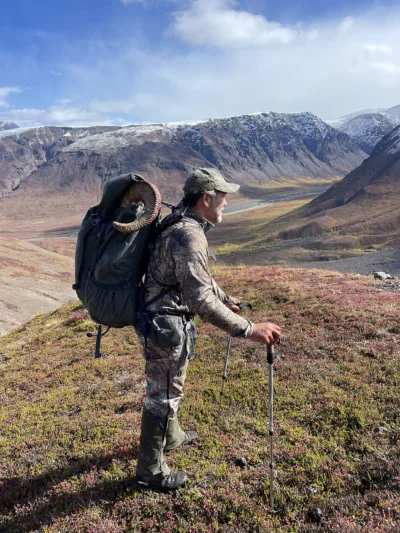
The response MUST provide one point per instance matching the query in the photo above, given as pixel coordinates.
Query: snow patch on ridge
(17, 131)
(127, 136)
(306, 124)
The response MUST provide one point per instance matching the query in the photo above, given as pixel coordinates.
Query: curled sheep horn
(144, 194)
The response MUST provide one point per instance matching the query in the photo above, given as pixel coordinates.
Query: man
(179, 286)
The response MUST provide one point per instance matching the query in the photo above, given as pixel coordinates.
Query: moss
(69, 424)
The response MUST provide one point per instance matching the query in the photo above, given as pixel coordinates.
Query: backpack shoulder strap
(90, 221)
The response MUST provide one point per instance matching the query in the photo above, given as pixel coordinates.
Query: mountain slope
(367, 128)
(23, 151)
(365, 204)
(69, 430)
(251, 149)
(32, 280)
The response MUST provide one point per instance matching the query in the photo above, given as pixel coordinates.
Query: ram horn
(140, 193)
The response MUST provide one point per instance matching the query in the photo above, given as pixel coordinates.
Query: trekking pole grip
(270, 353)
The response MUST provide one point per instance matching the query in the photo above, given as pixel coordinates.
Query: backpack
(112, 251)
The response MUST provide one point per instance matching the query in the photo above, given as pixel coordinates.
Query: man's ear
(206, 199)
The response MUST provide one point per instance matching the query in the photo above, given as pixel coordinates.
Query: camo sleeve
(200, 292)
(225, 299)
(219, 292)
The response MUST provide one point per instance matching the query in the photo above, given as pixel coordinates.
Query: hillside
(69, 427)
(65, 168)
(32, 280)
(24, 150)
(366, 203)
(360, 211)
(368, 127)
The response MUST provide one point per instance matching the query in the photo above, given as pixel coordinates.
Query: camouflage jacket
(179, 261)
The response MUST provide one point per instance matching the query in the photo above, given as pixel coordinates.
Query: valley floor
(387, 261)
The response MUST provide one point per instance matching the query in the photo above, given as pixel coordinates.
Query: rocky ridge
(7, 125)
(24, 150)
(252, 149)
(369, 127)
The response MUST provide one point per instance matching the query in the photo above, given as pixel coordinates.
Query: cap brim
(229, 187)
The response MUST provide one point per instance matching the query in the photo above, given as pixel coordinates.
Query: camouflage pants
(166, 372)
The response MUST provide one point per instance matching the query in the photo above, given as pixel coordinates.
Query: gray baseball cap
(207, 179)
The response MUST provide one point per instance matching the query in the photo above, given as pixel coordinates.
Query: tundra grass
(69, 423)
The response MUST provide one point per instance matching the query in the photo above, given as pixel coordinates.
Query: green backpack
(112, 251)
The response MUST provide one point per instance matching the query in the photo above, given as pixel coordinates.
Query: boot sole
(144, 485)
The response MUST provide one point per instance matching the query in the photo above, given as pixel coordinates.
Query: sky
(86, 62)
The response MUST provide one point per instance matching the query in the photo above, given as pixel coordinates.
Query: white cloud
(5, 93)
(322, 70)
(217, 23)
(347, 24)
(57, 116)
(382, 48)
(387, 67)
(110, 106)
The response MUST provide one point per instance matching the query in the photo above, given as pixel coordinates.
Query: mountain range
(54, 164)
(368, 127)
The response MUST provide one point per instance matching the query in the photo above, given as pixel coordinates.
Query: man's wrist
(249, 330)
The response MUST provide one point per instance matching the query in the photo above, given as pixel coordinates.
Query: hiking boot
(152, 471)
(176, 436)
(164, 482)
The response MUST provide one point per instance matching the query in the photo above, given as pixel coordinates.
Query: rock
(242, 462)
(314, 515)
(380, 430)
(382, 275)
(372, 500)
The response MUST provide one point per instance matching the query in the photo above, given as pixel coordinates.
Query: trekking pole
(270, 359)
(98, 337)
(241, 305)
(224, 375)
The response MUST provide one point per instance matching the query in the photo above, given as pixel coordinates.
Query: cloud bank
(5, 92)
(216, 59)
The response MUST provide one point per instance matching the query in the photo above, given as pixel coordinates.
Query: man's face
(215, 207)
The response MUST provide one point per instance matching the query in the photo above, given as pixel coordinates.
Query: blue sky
(125, 61)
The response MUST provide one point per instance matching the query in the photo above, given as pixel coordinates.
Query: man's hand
(233, 307)
(236, 305)
(233, 304)
(266, 333)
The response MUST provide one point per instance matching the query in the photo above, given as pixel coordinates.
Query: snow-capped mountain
(7, 125)
(250, 149)
(394, 114)
(368, 127)
(24, 150)
(367, 130)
